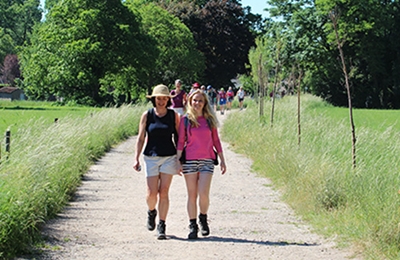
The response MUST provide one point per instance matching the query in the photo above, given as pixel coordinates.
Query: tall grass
(316, 178)
(46, 165)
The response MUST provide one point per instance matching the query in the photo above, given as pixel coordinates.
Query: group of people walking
(220, 98)
(179, 144)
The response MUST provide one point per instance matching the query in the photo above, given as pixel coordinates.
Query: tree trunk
(298, 107)
(274, 94)
(261, 86)
(334, 18)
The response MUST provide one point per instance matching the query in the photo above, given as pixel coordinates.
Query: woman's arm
(177, 121)
(140, 141)
(181, 140)
(218, 147)
(184, 99)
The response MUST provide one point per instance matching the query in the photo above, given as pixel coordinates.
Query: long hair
(208, 111)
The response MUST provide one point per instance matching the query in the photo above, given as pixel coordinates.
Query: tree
(247, 84)
(260, 59)
(306, 44)
(80, 44)
(223, 35)
(178, 56)
(10, 70)
(255, 21)
(215, 25)
(223, 31)
(17, 19)
(334, 16)
(186, 11)
(370, 28)
(6, 44)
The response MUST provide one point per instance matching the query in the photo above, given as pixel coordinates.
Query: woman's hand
(179, 166)
(223, 167)
(137, 167)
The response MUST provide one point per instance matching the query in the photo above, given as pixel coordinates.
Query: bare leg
(152, 192)
(204, 184)
(191, 185)
(163, 205)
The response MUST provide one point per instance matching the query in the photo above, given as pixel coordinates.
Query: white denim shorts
(179, 110)
(157, 164)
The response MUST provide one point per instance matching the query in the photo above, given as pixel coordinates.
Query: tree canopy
(10, 70)
(367, 29)
(100, 51)
(223, 35)
(17, 17)
(224, 32)
(80, 45)
(177, 53)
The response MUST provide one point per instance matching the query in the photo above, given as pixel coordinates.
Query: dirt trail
(106, 219)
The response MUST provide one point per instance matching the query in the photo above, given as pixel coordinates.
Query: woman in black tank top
(160, 125)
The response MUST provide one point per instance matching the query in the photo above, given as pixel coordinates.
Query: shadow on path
(243, 241)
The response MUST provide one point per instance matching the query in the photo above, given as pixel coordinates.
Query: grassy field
(359, 206)
(369, 118)
(16, 113)
(45, 166)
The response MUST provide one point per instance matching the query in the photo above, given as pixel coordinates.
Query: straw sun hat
(160, 91)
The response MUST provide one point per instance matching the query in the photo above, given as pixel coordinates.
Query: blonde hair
(208, 112)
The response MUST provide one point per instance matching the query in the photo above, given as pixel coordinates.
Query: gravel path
(107, 218)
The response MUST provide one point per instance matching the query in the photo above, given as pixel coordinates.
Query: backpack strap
(150, 113)
(209, 124)
(173, 115)
(187, 122)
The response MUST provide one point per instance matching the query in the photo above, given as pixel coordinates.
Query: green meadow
(360, 207)
(16, 113)
(370, 118)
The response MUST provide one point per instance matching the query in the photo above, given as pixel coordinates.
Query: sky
(257, 6)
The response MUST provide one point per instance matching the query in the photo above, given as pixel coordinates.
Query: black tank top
(160, 134)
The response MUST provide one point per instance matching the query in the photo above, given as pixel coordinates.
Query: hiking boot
(194, 228)
(205, 230)
(161, 231)
(151, 219)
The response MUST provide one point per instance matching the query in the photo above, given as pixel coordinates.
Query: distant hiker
(198, 136)
(229, 98)
(195, 87)
(240, 94)
(178, 98)
(212, 97)
(222, 100)
(160, 124)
